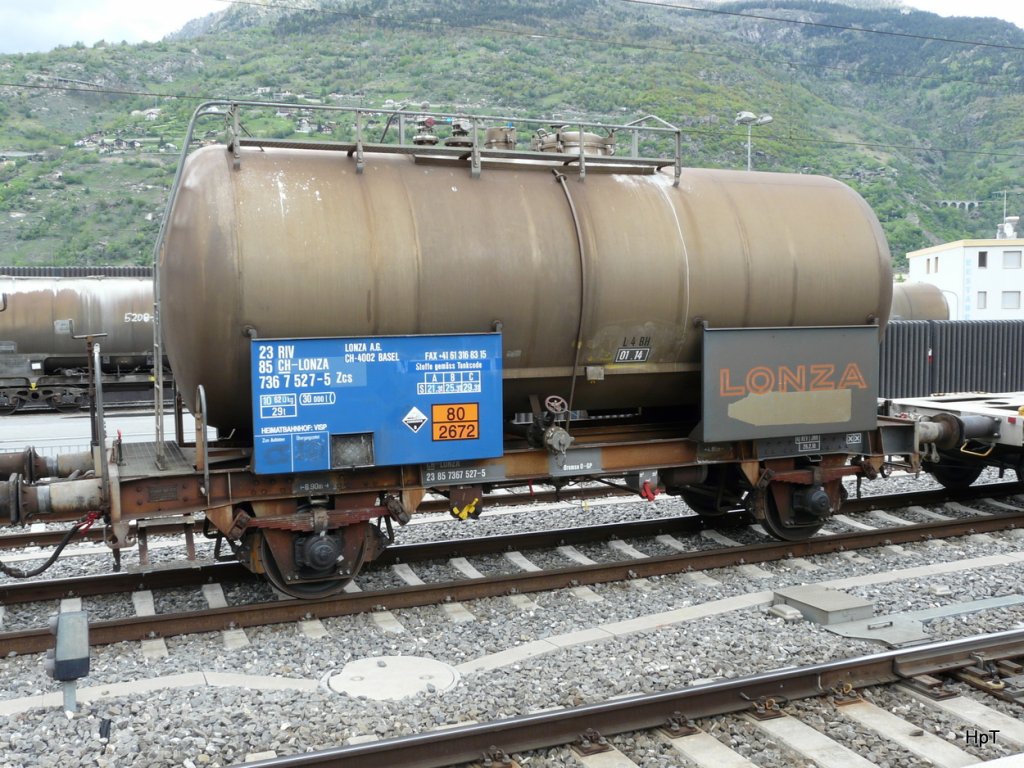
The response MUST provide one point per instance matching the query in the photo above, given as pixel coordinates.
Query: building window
(1011, 259)
(1011, 299)
(936, 264)
(982, 299)
(982, 259)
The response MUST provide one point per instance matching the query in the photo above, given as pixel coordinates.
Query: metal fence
(923, 357)
(116, 271)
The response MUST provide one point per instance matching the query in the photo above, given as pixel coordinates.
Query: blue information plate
(321, 404)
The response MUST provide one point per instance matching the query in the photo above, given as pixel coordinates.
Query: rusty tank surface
(624, 268)
(918, 301)
(40, 316)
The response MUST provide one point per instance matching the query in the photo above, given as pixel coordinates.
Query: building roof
(960, 244)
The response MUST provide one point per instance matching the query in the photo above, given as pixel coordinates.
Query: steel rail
(854, 505)
(54, 589)
(97, 532)
(278, 612)
(13, 593)
(206, 572)
(549, 729)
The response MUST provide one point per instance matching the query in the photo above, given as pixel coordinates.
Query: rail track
(511, 654)
(199, 573)
(275, 612)
(672, 712)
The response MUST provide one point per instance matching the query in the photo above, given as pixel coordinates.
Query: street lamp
(749, 119)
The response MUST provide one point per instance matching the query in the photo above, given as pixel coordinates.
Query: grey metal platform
(825, 606)
(139, 460)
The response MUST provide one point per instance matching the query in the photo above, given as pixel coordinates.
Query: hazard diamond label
(414, 419)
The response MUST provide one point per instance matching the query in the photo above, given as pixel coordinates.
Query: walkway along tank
(364, 322)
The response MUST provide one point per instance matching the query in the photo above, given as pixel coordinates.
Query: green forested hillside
(90, 135)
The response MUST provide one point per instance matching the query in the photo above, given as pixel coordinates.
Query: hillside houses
(101, 143)
(149, 115)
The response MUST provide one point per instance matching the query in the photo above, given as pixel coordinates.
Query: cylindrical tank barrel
(296, 243)
(918, 301)
(38, 310)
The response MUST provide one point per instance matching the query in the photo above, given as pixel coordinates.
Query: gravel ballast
(217, 726)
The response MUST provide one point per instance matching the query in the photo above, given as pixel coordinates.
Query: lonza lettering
(762, 379)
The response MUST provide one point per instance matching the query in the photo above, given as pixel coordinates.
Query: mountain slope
(905, 118)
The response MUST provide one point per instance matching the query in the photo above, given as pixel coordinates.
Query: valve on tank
(564, 140)
(425, 135)
(461, 136)
(500, 137)
(544, 432)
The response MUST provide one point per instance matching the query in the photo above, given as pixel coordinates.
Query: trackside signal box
(337, 403)
(69, 658)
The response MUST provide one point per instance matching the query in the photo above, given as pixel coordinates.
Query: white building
(981, 279)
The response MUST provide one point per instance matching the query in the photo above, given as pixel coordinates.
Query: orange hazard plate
(455, 421)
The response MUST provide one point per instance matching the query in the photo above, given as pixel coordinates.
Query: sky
(41, 25)
(1008, 10)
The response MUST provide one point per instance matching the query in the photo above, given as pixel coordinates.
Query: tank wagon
(365, 323)
(45, 312)
(918, 301)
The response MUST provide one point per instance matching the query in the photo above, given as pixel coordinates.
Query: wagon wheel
(319, 576)
(701, 500)
(302, 590)
(64, 404)
(954, 474)
(788, 524)
(720, 493)
(10, 405)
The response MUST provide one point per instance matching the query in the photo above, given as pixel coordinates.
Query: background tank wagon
(41, 313)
